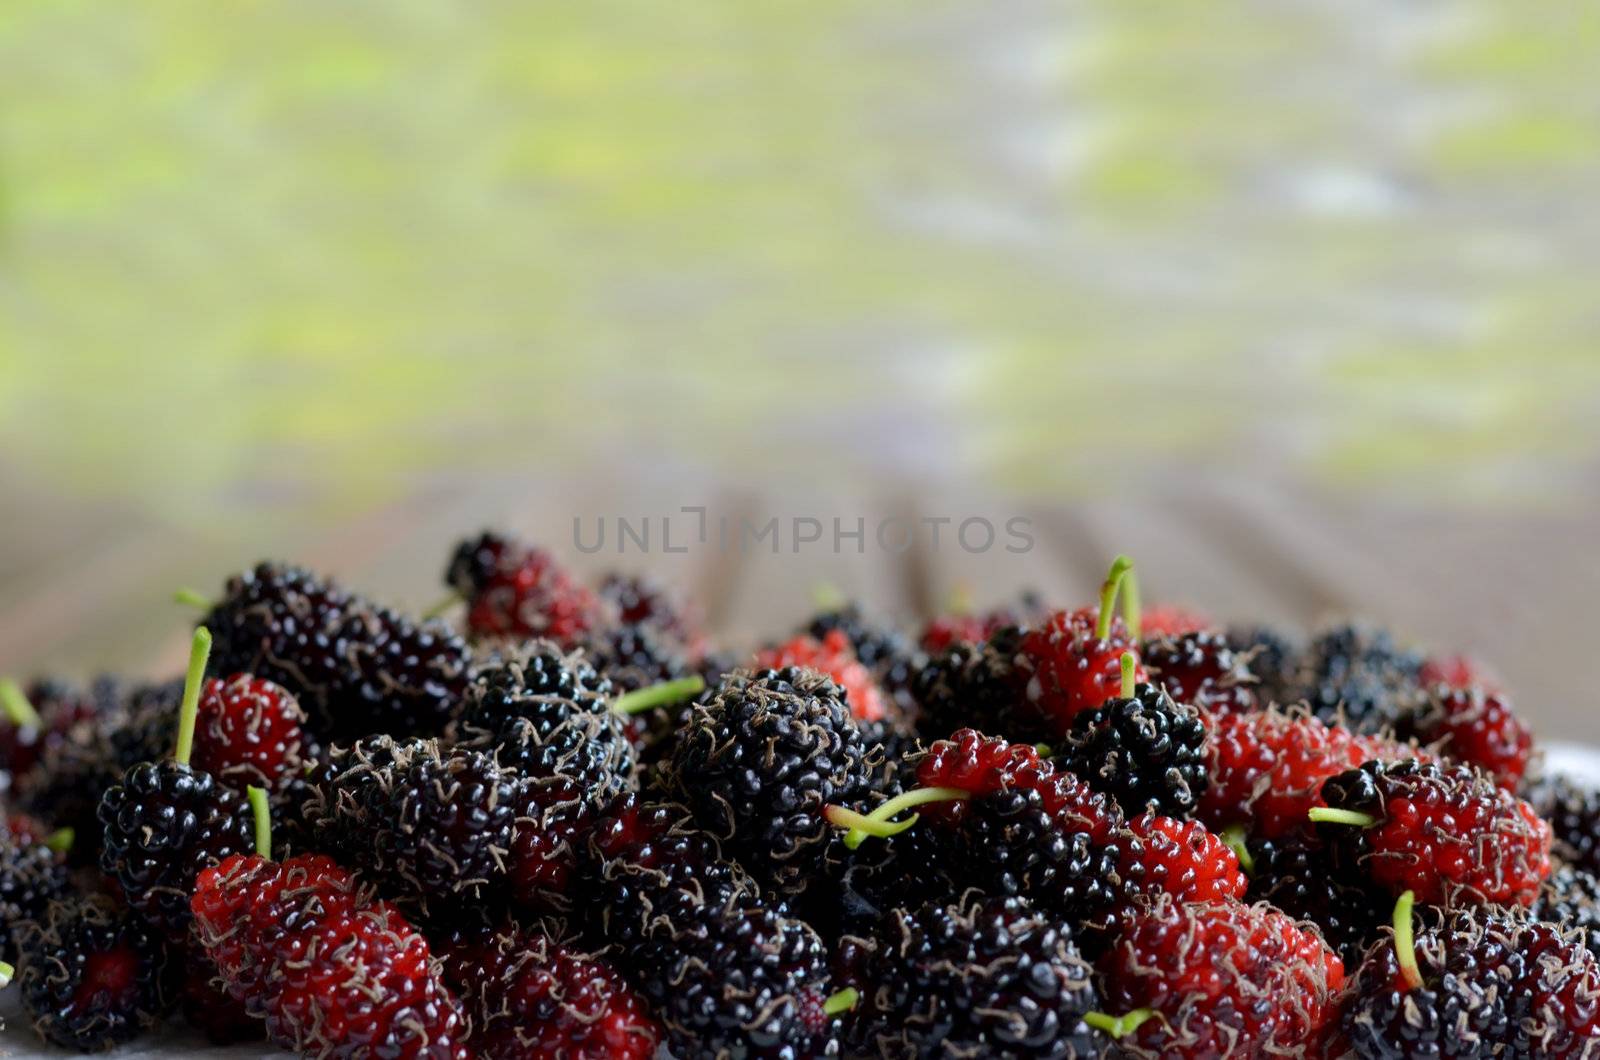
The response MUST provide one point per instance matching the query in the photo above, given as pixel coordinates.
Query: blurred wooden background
(85, 587)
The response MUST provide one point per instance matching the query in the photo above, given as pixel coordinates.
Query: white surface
(17, 1038)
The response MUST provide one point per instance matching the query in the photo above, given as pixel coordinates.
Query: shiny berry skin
(433, 824)
(532, 998)
(61, 708)
(93, 976)
(1357, 676)
(1147, 752)
(163, 825)
(547, 713)
(1199, 668)
(1226, 979)
(1026, 828)
(1574, 815)
(31, 877)
(361, 983)
(249, 731)
(976, 686)
(1478, 728)
(1182, 859)
(634, 657)
(1493, 985)
(833, 656)
(357, 668)
(332, 973)
(651, 874)
(1171, 620)
(1267, 768)
(208, 1008)
(1570, 899)
(551, 831)
(975, 977)
(882, 648)
(1313, 881)
(1450, 834)
(761, 759)
(727, 972)
(1066, 669)
(515, 590)
(245, 907)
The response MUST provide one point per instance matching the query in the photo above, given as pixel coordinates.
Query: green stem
(262, 812)
(1234, 837)
(859, 826)
(1117, 1026)
(877, 822)
(827, 596)
(960, 601)
(1330, 815)
(7, 973)
(1132, 611)
(1108, 595)
(61, 840)
(16, 706)
(644, 699)
(1128, 664)
(1405, 943)
(191, 598)
(193, 682)
(843, 1001)
(441, 606)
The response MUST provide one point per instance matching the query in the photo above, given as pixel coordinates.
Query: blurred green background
(267, 269)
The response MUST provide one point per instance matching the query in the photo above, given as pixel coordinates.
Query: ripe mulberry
(92, 976)
(1146, 751)
(761, 759)
(514, 590)
(357, 668)
(978, 977)
(1221, 979)
(1485, 983)
(1449, 834)
(549, 714)
(532, 998)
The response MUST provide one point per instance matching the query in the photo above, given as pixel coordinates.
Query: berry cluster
(562, 826)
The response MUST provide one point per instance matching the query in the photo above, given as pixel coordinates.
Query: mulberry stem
(440, 606)
(859, 826)
(16, 706)
(262, 812)
(191, 598)
(843, 1001)
(1405, 943)
(61, 840)
(827, 596)
(1128, 663)
(1132, 612)
(189, 710)
(1234, 837)
(641, 700)
(1108, 595)
(1330, 815)
(877, 822)
(1117, 1026)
